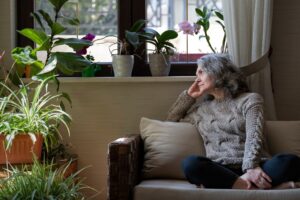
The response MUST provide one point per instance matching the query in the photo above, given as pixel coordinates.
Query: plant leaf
(46, 17)
(74, 43)
(36, 36)
(132, 38)
(219, 15)
(168, 35)
(57, 28)
(58, 4)
(72, 21)
(38, 19)
(151, 31)
(66, 62)
(137, 25)
(199, 12)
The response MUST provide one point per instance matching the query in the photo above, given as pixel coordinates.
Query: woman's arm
(180, 107)
(254, 143)
(253, 112)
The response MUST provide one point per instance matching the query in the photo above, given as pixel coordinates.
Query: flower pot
(122, 65)
(159, 64)
(22, 149)
(70, 165)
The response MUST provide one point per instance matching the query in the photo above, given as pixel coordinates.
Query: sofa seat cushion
(159, 189)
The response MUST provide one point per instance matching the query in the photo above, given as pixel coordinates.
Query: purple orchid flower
(89, 37)
(186, 27)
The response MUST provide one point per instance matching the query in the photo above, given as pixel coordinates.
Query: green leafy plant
(42, 181)
(32, 109)
(204, 22)
(65, 62)
(160, 41)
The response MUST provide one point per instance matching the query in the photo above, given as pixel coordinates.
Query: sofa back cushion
(166, 144)
(283, 137)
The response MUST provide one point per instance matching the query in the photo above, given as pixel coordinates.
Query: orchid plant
(64, 62)
(204, 23)
(160, 41)
(130, 43)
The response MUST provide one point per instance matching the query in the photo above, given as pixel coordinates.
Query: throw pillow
(283, 136)
(166, 144)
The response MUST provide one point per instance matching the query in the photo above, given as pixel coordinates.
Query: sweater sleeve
(253, 112)
(179, 109)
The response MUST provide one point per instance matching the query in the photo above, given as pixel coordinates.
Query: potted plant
(42, 181)
(159, 60)
(33, 113)
(63, 62)
(123, 55)
(61, 155)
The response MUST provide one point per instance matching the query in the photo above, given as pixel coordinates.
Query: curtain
(248, 29)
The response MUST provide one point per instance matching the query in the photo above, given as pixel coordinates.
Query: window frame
(129, 11)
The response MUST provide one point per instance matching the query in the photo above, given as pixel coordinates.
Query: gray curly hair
(225, 74)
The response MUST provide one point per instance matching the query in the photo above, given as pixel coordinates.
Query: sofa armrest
(124, 164)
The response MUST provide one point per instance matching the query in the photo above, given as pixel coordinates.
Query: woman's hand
(258, 177)
(197, 89)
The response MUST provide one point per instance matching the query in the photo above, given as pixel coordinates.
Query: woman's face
(204, 80)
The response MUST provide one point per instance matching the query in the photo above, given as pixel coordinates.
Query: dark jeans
(201, 170)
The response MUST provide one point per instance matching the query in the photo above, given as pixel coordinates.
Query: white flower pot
(122, 65)
(159, 64)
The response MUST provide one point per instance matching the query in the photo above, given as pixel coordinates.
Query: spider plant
(33, 110)
(41, 181)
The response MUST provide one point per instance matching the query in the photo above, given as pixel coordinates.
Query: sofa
(147, 165)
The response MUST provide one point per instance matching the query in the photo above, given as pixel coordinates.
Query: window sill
(126, 79)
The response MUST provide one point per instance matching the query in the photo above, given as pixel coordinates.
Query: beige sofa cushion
(283, 136)
(166, 144)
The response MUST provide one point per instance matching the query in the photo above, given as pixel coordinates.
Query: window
(167, 14)
(113, 17)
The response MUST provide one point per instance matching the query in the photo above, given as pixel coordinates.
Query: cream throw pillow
(166, 144)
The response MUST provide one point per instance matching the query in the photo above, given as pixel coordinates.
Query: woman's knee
(290, 159)
(194, 164)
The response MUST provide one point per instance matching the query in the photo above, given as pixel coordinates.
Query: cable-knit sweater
(231, 128)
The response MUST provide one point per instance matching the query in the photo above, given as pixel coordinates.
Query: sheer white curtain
(248, 27)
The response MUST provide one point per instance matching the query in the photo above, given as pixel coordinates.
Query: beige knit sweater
(231, 129)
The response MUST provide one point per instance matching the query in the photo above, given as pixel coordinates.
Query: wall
(285, 60)
(7, 30)
(107, 108)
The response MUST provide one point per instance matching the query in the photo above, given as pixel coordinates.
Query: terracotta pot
(72, 167)
(22, 150)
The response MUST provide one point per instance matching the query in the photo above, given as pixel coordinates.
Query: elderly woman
(230, 121)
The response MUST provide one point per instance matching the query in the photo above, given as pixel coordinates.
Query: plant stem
(208, 41)
(51, 39)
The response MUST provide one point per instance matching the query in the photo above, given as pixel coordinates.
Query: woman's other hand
(258, 177)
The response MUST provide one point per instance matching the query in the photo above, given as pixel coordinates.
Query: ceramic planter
(122, 65)
(22, 149)
(159, 64)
